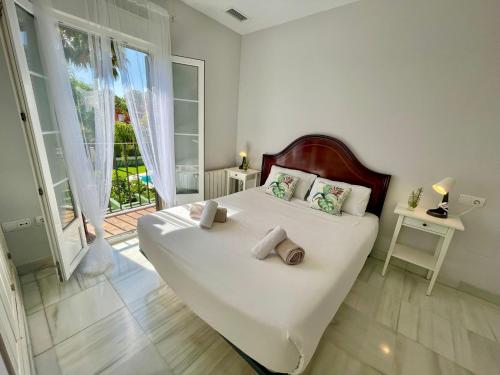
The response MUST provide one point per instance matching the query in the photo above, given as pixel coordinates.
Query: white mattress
(273, 312)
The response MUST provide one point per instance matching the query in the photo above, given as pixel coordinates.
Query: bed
(272, 313)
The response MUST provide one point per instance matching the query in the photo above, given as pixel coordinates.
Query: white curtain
(88, 145)
(149, 95)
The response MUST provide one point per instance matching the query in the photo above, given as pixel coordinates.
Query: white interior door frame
(200, 64)
(35, 144)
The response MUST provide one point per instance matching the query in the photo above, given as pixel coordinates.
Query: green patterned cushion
(329, 198)
(283, 186)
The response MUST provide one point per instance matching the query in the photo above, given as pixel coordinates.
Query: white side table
(249, 177)
(418, 219)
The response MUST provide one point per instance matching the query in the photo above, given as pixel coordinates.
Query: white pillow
(356, 201)
(304, 184)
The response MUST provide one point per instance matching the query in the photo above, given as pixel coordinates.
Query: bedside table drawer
(422, 225)
(235, 174)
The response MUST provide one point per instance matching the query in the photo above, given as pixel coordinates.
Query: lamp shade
(444, 186)
(243, 154)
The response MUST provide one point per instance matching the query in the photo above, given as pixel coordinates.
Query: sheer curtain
(88, 145)
(149, 95)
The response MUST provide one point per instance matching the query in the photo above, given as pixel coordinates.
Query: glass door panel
(50, 129)
(185, 81)
(188, 82)
(186, 117)
(64, 219)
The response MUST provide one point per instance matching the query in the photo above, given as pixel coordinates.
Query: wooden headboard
(330, 158)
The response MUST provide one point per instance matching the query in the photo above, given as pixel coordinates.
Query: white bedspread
(273, 312)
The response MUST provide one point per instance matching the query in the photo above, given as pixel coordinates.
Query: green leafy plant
(121, 192)
(414, 197)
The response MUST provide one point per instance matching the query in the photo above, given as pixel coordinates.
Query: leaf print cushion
(329, 198)
(283, 186)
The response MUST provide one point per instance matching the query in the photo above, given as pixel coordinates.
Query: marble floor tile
(492, 313)
(137, 284)
(86, 281)
(376, 279)
(412, 358)
(362, 337)
(377, 346)
(104, 346)
(474, 316)
(161, 306)
(31, 298)
(127, 260)
(41, 340)
(47, 363)
(330, 359)
(186, 352)
(27, 278)
(210, 358)
(77, 312)
(390, 300)
(485, 354)
(435, 333)
(146, 361)
(231, 363)
(364, 297)
(44, 272)
(53, 291)
(367, 270)
(183, 339)
(408, 320)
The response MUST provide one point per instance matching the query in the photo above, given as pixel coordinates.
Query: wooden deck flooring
(122, 223)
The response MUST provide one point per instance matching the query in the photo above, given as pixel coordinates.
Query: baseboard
(35, 266)
(462, 286)
(478, 292)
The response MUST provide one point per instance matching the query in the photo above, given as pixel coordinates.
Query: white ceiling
(262, 13)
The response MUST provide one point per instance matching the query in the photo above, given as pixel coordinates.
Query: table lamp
(244, 161)
(442, 187)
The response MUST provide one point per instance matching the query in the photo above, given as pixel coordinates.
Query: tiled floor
(129, 322)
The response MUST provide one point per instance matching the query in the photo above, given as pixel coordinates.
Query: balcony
(132, 193)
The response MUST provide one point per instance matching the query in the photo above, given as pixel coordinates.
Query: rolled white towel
(208, 215)
(269, 242)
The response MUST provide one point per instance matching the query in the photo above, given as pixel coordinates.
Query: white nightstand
(249, 176)
(418, 219)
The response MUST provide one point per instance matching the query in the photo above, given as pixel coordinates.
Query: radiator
(215, 183)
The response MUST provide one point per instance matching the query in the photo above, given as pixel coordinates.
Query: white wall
(18, 194)
(198, 36)
(413, 87)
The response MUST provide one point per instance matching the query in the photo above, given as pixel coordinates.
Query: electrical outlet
(39, 220)
(471, 200)
(19, 224)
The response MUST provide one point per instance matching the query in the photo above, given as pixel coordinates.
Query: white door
(189, 116)
(63, 218)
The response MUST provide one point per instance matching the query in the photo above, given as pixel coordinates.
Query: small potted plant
(414, 198)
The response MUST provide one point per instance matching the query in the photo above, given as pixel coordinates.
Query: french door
(63, 218)
(189, 116)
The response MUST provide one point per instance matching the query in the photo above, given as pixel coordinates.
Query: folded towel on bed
(208, 214)
(290, 252)
(196, 210)
(269, 242)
